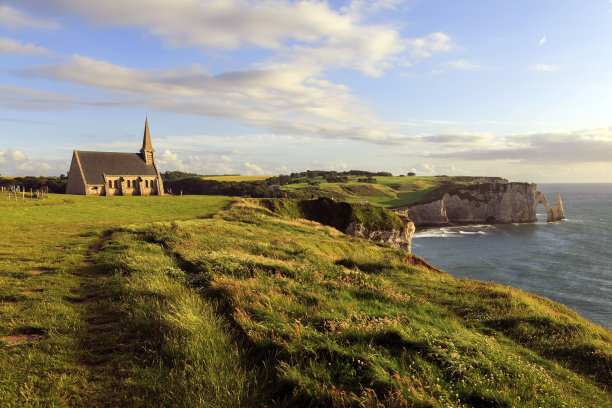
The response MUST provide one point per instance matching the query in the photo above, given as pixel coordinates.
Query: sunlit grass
(238, 178)
(337, 321)
(50, 237)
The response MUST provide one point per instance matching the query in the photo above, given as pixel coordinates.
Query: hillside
(249, 308)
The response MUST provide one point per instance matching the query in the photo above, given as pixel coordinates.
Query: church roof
(95, 164)
(146, 139)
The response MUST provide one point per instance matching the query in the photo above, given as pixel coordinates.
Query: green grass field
(387, 192)
(194, 303)
(237, 178)
(43, 279)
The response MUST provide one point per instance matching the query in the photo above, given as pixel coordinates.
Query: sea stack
(557, 211)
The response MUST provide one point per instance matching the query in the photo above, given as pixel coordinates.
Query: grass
(246, 308)
(387, 192)
(336, 214)
(237, 178)
(52, 236)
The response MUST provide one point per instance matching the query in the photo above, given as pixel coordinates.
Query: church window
(115, 184)
(147, 183)
(129, 184)
(110, 183)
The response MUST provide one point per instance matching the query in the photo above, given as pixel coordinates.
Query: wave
(454, 232)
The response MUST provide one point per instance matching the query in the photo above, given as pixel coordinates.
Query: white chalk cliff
(492, 203)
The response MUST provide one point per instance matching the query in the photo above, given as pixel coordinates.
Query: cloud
(12, 156)
(14, 19)
(284, 99)
(358, 7)
(167, 157)
(253, 169)
(463, 64)
(304, 32)
(458, 138)
(15, 97)
(542, 41)
(35, 122)
(582, 146)
(10, 46)
(428, 45)
(546, 67)
(287, 93)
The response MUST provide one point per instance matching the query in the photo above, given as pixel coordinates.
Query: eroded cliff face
(493, 203)
(395, 238)
(361, 220)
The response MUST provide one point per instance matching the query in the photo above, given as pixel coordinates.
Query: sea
(568, 261)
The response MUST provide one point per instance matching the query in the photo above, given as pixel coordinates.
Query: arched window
(110, 183)
(115, 184)
(129, 184)
(147, 183)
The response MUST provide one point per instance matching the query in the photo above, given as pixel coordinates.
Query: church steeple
(147, 149)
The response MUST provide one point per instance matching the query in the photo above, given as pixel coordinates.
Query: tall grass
(338, 321)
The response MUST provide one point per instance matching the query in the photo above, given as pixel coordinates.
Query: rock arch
(555, 213)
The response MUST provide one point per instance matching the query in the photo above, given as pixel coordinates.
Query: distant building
(111, 173)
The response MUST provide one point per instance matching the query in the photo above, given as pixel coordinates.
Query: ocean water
(568, 261)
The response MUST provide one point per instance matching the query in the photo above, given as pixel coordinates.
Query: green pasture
(237, 178)
(387, 192)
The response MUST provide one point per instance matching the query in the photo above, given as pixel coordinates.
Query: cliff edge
(362, 220)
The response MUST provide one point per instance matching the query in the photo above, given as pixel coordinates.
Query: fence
(18, 193)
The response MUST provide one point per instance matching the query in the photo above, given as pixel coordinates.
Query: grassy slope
(387, 192)
(248, 308)
(308, 316)
(52, 236)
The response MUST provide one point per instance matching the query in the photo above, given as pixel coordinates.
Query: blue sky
(519, 89)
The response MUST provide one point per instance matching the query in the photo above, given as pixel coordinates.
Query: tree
(411, 174)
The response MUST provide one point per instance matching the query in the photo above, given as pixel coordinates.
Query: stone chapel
(111, 173)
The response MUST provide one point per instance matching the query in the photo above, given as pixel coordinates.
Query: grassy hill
(387, 191)
(245, 307)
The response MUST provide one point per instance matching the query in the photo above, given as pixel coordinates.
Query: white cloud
(546, 67)
(16, 97)
(12, 156)
(253, 169)
(10, 46)
(580, 146)
(167, 157)
(284, 99)
(358, 7)
(463, 64)
(305, 32)
(315, 31)
(286, 93)
(542, 41)
(14, 19)
(16, 155)
(428, 45)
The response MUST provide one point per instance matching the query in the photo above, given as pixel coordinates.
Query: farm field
(47, 330)
(189, 301)
(237, 178)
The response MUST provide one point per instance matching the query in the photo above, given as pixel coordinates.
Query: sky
(520, 89)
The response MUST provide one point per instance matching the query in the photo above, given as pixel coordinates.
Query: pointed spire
(147, 146)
